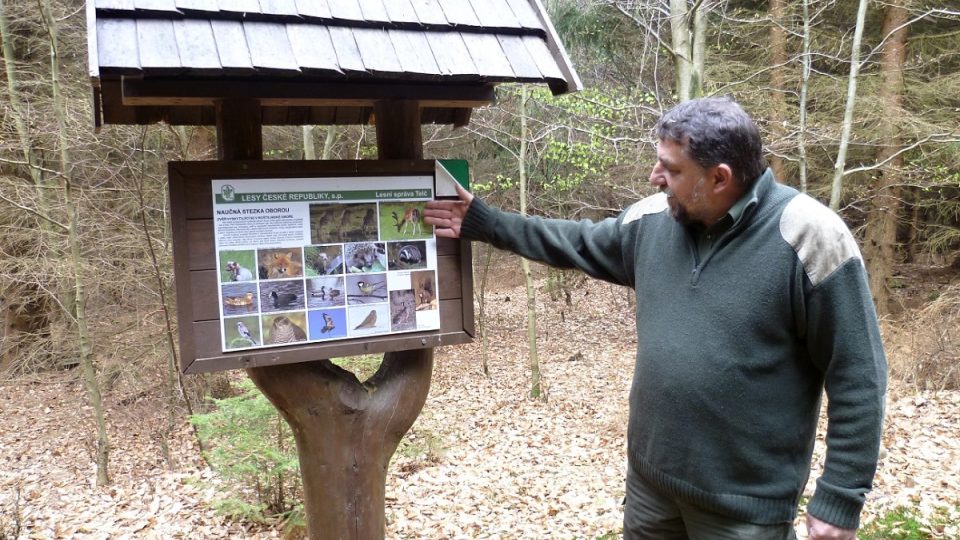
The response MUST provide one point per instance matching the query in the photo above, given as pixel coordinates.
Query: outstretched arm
(446, 216)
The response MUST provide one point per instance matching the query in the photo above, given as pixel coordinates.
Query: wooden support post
(239, 129)
(346, 431)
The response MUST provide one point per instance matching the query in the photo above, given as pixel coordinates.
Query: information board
(302, 260)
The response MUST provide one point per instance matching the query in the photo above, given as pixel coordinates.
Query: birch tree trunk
(309, 149)
(328, 141)
(688, 30)
(535, 386)
(881, 236)
(840, 164)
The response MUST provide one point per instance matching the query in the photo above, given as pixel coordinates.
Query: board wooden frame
(194, 258)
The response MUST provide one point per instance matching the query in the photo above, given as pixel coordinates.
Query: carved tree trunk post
(346, 431)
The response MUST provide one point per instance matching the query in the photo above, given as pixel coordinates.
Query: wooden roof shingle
(466, 45)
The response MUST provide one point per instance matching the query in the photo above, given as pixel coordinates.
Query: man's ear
(722, 177)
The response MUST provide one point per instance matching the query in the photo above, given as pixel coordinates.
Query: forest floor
(495, 464)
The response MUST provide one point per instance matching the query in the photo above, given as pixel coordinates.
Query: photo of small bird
(286, 331)
(245, 300)
(281, 300)
(369, 321)
(245, 332)
(366, 288)
(327, 324)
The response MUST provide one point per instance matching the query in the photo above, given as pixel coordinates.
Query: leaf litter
(488, 461)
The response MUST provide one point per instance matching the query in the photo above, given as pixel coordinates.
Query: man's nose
(657, 179)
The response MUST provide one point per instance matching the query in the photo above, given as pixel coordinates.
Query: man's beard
(678, 210)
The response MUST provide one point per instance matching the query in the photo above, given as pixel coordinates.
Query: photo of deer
(403, 221)
(334, 222)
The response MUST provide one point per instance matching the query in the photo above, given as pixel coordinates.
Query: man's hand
(821, 530)
(446, 216)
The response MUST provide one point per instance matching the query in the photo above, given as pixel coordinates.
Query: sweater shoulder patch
(818, 235)
(653, 204)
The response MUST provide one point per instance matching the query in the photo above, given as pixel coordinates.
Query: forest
(522, 436)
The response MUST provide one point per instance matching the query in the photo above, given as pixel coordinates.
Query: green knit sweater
(735, 350)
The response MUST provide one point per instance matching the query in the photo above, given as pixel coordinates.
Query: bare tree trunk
(534, 357)
(481, 295)
(88, 367)
(309, 149)
(778, 75)
(346, 433)
(328, 141)
(688, 30)
(840, 164)
(881, 236)
(804, 89)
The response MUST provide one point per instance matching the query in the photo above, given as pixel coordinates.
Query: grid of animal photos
(370, 269)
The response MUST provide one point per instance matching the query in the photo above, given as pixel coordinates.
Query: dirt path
(498, 465)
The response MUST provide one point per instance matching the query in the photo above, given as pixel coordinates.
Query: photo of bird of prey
(328, 324)
(284, 330)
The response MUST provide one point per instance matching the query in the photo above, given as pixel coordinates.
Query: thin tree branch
(931, 138)
(34, 213)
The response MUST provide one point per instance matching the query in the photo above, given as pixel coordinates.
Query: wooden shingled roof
(315, 61)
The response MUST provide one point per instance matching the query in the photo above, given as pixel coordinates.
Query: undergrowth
(928, 345)
(911, 524)
(253, 450)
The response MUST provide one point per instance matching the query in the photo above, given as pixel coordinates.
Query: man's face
(684, 182)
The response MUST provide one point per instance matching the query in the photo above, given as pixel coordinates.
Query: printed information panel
(310, 259)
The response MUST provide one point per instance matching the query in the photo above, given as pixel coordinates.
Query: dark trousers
(651, 515)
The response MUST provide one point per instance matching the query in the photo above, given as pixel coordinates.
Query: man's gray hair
(716, 130)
